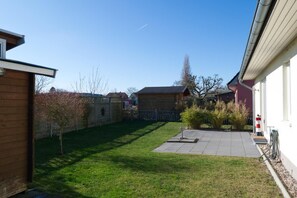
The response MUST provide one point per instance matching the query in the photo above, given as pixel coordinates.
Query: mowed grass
(118, 161)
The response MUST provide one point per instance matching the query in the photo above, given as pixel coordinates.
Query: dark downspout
(31, 90)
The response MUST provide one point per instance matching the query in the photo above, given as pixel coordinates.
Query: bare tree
(131, 90)
(41, 82)
(94, 83)
(206, 85)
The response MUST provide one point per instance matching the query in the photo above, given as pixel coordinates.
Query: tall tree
(187, 79)
(199, 86)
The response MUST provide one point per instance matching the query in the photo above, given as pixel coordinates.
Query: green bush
(218, 115)
(238, 114)
(194, 116)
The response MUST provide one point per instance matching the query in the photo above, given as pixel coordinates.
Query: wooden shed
(17, 81)
(161, 103)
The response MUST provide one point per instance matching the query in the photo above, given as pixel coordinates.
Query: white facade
(275, 99)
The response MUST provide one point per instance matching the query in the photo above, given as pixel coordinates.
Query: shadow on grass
(35, 193)
(81, 144)
(164, 165)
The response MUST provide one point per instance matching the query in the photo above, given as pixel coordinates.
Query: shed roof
(122, 95)
(12, 39)
(164, 90)
(27, 67)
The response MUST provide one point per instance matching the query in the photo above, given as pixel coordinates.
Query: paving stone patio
(214, 143)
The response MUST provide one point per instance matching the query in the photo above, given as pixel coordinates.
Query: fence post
(110, 117)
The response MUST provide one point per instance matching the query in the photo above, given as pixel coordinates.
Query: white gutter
(26, 67)
(245, 85)
(260, 19)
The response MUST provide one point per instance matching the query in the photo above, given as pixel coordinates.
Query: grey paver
(214, 143)
(186, 148)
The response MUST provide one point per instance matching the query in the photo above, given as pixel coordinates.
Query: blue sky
(134, 43)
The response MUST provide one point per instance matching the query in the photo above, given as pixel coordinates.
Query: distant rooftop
(164, 90)
(122, 95)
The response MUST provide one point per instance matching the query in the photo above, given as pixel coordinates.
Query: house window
(2, 48)
(286, 91)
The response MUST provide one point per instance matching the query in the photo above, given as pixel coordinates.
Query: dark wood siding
(14, 95)
(151, 102)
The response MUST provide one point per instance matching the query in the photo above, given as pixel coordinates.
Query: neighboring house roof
(232, 84)
(90, 95)
(27, 67)
(122, 95)
(233, 81)
(164, 90)
(223, 91)
(12, 39)
(273, 29)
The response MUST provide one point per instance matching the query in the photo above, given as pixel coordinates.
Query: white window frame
(263, 102)
(2, 48)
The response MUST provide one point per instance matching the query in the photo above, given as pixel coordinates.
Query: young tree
(60, 108)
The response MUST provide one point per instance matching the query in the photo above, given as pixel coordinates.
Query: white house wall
(280, 94)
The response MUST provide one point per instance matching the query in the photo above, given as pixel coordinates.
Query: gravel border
(289, 182)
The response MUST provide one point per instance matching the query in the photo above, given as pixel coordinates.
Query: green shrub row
(237, 115)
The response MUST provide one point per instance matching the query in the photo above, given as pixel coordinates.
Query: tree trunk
(61, 140)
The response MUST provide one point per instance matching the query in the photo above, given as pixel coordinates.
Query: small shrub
(218, 115)
(194, 117)
(238, 114)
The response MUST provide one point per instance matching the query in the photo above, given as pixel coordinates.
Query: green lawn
(117, 161)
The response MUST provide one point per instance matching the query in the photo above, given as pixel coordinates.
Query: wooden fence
(102, 110)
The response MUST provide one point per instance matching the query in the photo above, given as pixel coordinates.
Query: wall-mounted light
(2, 72)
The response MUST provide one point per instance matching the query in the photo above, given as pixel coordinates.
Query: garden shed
(17, 81)
(161, 103)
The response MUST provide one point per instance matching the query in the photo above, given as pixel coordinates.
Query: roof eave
(262, 14)
(20, 39)
(27, 67)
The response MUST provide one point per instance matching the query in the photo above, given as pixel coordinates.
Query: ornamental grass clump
(194, 117)
(238, 114)
(218, 115)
